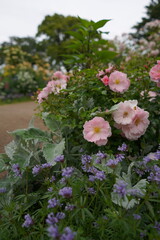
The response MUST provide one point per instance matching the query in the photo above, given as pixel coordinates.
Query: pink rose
(97, 130)
(138, 126)
(60, 76)
(100, 74)
(125, 112)
(105, 80)
(44, 94)
(108, 70)
(155, 72)
(57, 85)
(118, 82)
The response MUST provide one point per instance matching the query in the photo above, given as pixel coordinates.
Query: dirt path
(16, 116)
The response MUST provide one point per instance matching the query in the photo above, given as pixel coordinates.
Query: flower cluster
(131, 119)
(36, 169)
(58, 82)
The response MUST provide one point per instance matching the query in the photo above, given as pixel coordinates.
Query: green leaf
(31, 134)
(100, 23)
(51, 151)
(10, 149)
(52, 123)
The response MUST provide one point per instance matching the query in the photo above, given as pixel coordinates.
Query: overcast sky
(22, 17)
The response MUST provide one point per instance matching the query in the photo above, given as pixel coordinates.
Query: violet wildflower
(60, 215)
(16, 170)
(68, 234)
(51, 219)
(121, 188)
(100, 156)
(100, 175)
(157, 155)
(67, 172)
(50, 189)
(136, 216)
(91, 178)
(3, 190)
(86, 162)
(70, 207)
(36, 169)
(146, 159)
(28, 221)
(155, 175)
(112, 163)
(52, 203)
(53, 232)
(66, 192)
(46, 165)
(52, 179)
(120, 157)
(91, 190)
(157, 226)
(123, 148)
(59, 158)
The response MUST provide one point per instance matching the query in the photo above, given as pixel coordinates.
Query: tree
(152, 13)
(54, 30)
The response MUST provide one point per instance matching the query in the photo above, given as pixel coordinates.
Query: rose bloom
(105, 80)
(60, 76)
(97, 130)
(57, 85)
(138, 126)
(155, 72)
(118, 82)
(44, 94)
(125, 112)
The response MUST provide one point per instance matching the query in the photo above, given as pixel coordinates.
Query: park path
(16, 116)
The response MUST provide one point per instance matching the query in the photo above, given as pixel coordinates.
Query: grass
(16, 100)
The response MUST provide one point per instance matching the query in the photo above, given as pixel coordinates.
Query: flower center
(125, 114)
(137, 121)
(97, 129)
(117, 81)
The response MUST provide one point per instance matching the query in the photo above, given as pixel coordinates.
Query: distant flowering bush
(58, 82)
(155, 73)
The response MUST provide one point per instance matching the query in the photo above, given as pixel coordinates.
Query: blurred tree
(152, 12)
(53, 31)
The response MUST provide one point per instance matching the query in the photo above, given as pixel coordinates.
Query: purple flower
(28, 221)
(121, 188)
(52, 179)
(52, 203)
(68, 234)
(155, 175)
(112, 163)
(70, 207)
(16, 170)
(36, 169)
(50, 189)
(91, 178)
(91, 190)
(146, 159)
(53, 232)
(46, 165)
(157, 155)
(66, 192)
(157, 226)
(59, 158)
(123, 148)
(60, 215)
(51, 219)
(100, 156)
(120, 157)
(67, 172)
(86, 162)
(3, 190)
(100, 175)
(136, 216)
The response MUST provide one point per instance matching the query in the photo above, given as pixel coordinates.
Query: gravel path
(16, 116)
